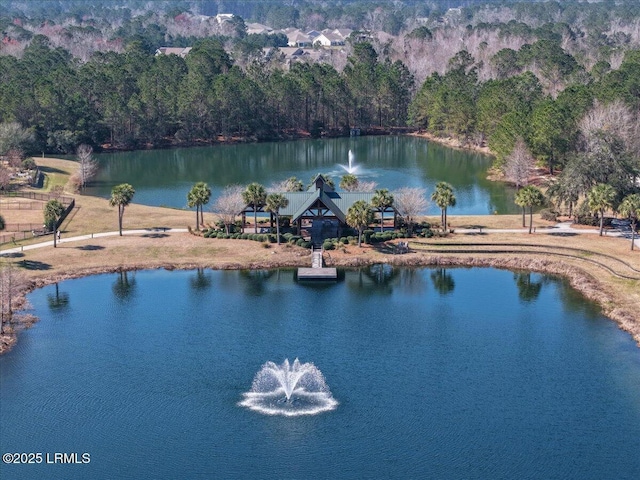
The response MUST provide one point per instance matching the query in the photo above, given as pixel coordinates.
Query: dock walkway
(317, 271)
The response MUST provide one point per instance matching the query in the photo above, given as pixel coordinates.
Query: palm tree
(382, 200)
(564, 192)
(121, 196)
(600, 198)
(327, 179)
(198, 196)
(292, 184)
(274, 202)
(529, 196)
(359, 216)
(349, 182)
(255, 195)
(630, 207)
(443, 197)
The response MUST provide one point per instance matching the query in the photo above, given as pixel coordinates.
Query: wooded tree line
(589, 130)
(135, 99)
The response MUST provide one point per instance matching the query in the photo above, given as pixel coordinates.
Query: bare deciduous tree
(88, 166)
(291, 184)
(519, 164)
(367, 186)
(614, 117)
(56, 191)
(13, 284)
(13, 136)
(5, 177)
(410, 202)
(14, 157)
(229, 205)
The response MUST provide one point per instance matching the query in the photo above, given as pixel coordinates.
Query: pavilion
(321, 209)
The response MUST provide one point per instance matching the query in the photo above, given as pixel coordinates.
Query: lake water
(459, 373)
(163, 177)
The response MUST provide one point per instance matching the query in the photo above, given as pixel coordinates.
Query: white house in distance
(258, 29)
(224, 17)
(180, 51)
(329, 38)
(326, 38)
(298, 39)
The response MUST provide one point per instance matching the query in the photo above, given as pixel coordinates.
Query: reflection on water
(442, 281)
(200, 280)
(163, 177)
(528, 289)
(58, 300)
(125, 285)
(485, 374)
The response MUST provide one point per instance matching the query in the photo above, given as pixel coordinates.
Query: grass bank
(602, 268)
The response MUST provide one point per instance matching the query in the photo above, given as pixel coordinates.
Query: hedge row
(259, 237)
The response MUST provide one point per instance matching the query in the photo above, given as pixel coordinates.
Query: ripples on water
(447, 373)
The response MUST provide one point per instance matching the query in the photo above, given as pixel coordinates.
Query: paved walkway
(78, 238)
(560, 228)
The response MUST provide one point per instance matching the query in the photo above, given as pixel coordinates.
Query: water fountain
(289, 389)
(351, 168)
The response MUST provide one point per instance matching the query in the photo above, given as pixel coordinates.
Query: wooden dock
(317, 271)
(322, 273)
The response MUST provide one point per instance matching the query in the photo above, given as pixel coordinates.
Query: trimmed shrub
(344, 240)
(328, 245)
(366, 236)
(28, 164)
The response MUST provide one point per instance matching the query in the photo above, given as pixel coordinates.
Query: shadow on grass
(475, 234)
(13, 255)
(155, 235)
(51, 170)
(90, 248)
(34, 265)
(563, 234)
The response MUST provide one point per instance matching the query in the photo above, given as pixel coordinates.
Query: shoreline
(454, 143)
(617, 294)
(627, 319)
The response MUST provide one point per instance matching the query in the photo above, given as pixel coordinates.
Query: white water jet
(289, 390)
(351, 168)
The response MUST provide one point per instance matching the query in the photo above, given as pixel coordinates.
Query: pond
(457, 373)
(163, 177)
